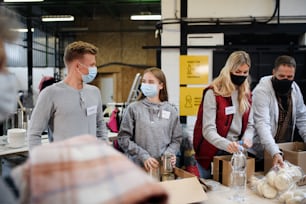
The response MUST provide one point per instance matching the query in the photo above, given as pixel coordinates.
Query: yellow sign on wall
(194, 69)
(190, 99)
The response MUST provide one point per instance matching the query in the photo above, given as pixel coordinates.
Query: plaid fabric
(84, 170)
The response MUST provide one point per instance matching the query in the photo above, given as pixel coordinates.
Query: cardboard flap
(222, 169)
(182, 191)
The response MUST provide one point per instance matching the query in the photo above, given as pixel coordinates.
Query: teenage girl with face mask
(227, 115)
(150, 127)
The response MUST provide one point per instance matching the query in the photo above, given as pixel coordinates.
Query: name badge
(229, 110)
(91, 110)
(165, 114)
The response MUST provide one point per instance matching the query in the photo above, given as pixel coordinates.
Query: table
(112, 135)
(10, 157)
(5, 150)
(222, 194)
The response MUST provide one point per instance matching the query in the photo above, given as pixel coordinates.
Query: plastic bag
(113, 123)
(277, 181)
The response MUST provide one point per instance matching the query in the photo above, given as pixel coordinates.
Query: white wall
(232, 8)
(22, 77)
(243, 8)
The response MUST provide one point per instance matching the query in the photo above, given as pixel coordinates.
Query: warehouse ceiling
(83, 10)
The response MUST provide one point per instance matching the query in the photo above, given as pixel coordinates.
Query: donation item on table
(167, 169)
(16, 137)
(164, 172)
(238, 174)
(281, 183)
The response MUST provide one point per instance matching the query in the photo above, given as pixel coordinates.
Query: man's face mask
(282, 86)
(92, 73)
(8, 95)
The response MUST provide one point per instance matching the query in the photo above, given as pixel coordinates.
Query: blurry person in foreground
(83, 170)
(8, 90)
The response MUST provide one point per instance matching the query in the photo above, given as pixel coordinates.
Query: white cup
(16, 137)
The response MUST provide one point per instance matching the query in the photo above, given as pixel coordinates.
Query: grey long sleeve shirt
(209, 122)
(149, 130)
(67, 112)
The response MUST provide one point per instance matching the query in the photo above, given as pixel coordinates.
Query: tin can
(168, 177)
(167, 166)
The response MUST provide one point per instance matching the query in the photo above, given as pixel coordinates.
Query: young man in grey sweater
(71, 107)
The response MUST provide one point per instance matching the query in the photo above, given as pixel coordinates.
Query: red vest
(204, 151)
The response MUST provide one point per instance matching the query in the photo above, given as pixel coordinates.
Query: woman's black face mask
(237, 79)
(282, 86)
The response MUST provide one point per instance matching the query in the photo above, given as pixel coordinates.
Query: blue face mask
(92, 73)
(149, 90)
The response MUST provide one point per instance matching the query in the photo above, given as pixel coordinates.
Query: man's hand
(247, 143)
(278, 160)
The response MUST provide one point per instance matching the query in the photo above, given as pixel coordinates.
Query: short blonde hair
(77, 49)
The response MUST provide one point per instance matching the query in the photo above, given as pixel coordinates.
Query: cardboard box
(294, 152)
(186, 188)
(222, 169)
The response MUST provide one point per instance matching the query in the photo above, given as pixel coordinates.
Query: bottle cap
(240, 148)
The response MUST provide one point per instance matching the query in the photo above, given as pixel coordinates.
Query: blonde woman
(227, 117)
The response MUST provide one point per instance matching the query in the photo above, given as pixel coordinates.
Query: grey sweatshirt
(149, 130)
(67, 112)
(266, 113)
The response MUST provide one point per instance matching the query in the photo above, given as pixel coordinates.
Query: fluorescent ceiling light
(74, 29)
(145, 17)
(13, 1)
(52, 18)
(21, 30)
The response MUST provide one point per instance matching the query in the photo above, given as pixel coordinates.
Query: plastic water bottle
(238, 175)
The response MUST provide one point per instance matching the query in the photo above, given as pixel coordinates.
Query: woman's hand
(232, 147)
(151, 163)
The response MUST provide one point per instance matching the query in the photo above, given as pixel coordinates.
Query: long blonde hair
(223, 85)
